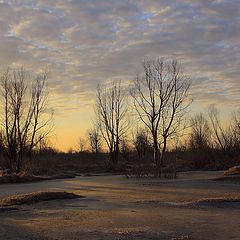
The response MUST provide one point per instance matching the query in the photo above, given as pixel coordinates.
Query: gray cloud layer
(88, 42)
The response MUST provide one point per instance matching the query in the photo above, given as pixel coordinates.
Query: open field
(118, 208)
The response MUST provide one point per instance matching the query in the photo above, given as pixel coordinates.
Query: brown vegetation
(36, 197)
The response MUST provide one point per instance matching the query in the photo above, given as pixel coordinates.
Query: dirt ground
(116, 208)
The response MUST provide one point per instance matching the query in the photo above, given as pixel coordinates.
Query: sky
(87, 42)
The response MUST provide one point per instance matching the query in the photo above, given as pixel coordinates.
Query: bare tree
(236, 129)
(220, 134)
(236, 122)
(81, 144)
(111, 109)
(200, 132)
(26, 118)
(95, 139)
(232, 134)
(160, 99)
(44, 145)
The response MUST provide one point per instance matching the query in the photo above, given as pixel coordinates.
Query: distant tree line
(212, 143)
(159, 98)
(145, 123)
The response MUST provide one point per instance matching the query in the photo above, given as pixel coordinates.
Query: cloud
(89, 42)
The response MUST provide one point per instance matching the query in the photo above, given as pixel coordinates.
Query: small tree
(95, 141)
(141, 142)
(236, 130)
(200, 132)
(232, 135)
(220, 135)
(160, 96)
(125, 148)
(81, 144)
(27, 119)
(111, 109)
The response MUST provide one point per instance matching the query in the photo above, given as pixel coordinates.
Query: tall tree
(26, 116)
(111, 110)
(160, 97)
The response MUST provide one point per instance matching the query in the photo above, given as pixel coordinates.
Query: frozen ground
(116, 208)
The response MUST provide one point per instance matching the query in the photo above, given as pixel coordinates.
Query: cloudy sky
(86, 42)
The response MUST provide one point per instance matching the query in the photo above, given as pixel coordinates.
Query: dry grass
(233, 171)
(35, 197)
(22, 178)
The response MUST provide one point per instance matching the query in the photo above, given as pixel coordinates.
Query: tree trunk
(157, 156)
(112, 156)
(163, 151)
